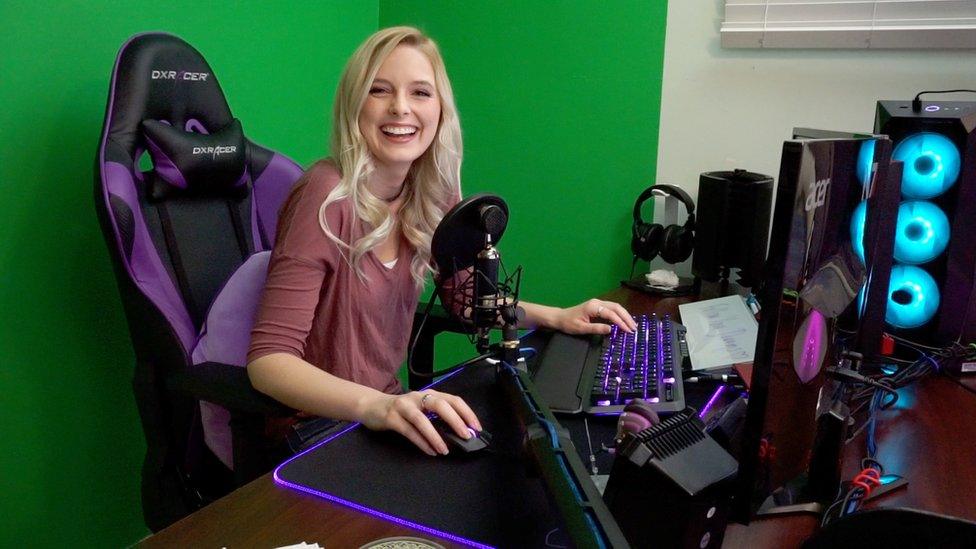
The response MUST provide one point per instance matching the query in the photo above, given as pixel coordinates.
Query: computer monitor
(824, 284)
(586, 520)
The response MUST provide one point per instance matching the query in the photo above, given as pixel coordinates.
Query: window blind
(849, 24)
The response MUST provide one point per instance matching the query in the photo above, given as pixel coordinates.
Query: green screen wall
(71, 445)
(559, 104)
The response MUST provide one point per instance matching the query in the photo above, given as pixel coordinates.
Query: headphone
(637, 416)
(674, 243)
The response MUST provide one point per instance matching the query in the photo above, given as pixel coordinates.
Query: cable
(917, 102)
(589, 442)
(549, 543)
(876, 393)
(872, 423)
(416, 337)
(859, 489)
(530, 350)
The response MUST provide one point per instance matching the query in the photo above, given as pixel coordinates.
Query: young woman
(353, 248)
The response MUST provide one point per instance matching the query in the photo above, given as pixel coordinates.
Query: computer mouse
(479, 439)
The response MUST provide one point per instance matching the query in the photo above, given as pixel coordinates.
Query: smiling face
(402, 110)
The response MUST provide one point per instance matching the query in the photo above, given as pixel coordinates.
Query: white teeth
(399, 130)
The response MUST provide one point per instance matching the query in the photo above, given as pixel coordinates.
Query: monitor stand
(813, 490)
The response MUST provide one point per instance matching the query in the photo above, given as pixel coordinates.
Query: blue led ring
(857, 229)
(922, 233)
(913, 297)
(931, 164)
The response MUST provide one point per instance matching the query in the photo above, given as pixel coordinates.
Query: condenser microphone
(463, 246)
(491, 218)
(486, 293)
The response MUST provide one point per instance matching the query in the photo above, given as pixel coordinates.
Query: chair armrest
(438, 321)
(227, 386)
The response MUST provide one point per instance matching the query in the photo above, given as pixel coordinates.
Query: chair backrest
(174, 247)
(176, 234)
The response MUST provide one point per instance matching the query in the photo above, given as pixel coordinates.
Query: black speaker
(670, 485)
(931, 292)
(732, 226)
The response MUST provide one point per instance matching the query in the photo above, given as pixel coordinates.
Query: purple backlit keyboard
(645, 364)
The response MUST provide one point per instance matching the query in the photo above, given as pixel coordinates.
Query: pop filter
(460, 236)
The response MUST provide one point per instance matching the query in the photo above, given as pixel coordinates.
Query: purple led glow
(363, 508)
(711, 401)
(633, 356)
(659, 326)
(607, 357)
(810, 346)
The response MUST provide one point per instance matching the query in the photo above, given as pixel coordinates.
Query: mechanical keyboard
(640, 365)
(600, 375)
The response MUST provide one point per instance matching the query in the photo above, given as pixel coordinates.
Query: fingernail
(444, 451)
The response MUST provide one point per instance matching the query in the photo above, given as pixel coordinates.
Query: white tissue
(662, 278)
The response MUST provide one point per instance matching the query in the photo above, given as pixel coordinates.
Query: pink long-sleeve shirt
(316, 308)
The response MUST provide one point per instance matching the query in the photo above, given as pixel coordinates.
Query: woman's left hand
(590, 317)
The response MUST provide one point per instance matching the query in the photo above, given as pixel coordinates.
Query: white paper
(721, 332)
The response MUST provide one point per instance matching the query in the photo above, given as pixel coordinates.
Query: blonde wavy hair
(432, 179)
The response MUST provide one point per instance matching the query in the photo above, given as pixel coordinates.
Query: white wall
(725, 109)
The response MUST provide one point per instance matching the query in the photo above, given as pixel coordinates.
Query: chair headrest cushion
(199, 163)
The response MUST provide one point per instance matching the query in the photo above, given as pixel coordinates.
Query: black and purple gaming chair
(189, 242)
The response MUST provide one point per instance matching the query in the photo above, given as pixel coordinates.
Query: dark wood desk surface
(930, 438)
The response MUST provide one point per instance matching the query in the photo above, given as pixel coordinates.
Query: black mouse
(479, 439)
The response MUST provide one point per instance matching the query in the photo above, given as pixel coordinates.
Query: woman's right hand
(407, 415)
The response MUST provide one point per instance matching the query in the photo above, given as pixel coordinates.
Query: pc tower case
(931, 298)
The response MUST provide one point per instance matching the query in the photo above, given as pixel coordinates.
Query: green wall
(71, 445)
(559, 105)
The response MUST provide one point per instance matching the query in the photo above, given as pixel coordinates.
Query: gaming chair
(188, 243)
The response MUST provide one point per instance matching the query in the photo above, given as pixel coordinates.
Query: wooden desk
(263, 514)
(930, 438)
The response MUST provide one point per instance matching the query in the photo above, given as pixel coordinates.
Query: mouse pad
(485, 498)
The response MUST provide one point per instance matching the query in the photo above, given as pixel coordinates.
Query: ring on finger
(599, 310)
(423, 401)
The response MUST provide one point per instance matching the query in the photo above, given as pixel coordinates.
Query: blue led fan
(913, 297)
(931, 164)
(922, 233)
(857, 228)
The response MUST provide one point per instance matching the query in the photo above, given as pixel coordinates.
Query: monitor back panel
(817, 196)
